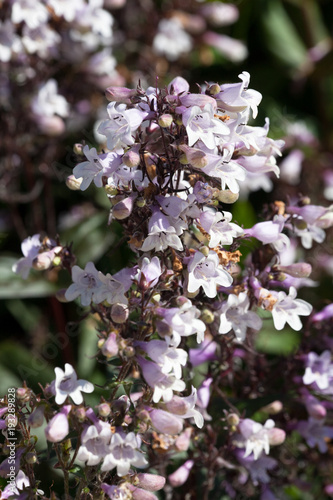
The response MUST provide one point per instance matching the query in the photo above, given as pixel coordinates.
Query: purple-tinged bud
(180, 476)
(233, 49)
(31, 457)
(23, 393)
(316, 410)
(103, 409)
(143, 415)
(165, 422)
(273, 408)
(329, 490)
(131, 158)
(139, 494)
(150, 482)
(120, 94)
(324, 314)
(110, 346)
(220, 14)
(58, 428)
(80, 413)
(119, 313)
(123, 209)
(114, 4)
(165, 120)
(298, 270)
(183, 441)
(227, 196)
(276, 436)
(51, 125)
(36, 418)
(73, 183)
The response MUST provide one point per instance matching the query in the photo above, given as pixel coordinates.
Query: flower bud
(110, 346)
(183, 441)
(273, 408)
(58, 428)
(232, 419)
(177, 406)
(73, 183)
(104, 409)
(213, 89)
(204, 250)
(150, 482)
(298, 270)
(60, 295)
(31, 457)
(180, 476)
(123, 209)
(80, 413)
(45, 260)
(36, 418)
(23, 393)
(139, 494)
(276, 436)
(119, 313)
(207, 316)
(141, 202)
(300, 224)
(165, 120)
(143, 415)
(131, 158)
(111, 190)
(120, 94)
(78, 149)
(227, 196)
(51, 125)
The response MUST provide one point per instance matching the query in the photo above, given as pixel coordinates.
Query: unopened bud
(207, 316)
(165, 120)
(31, 457)
(131, 158)
(119, 313)
(273, 408)
(227, 196)
(80, 413)
(123, 209)
(111, 190)
(109, 347)
(36, 418)
(180, 476)
(276, 436)
(204, 250)
(183, 441)
(150, 482)
(129, 351)
(300, 224)
(177, 406)
(213, 89)
(23, 393)
(78, 149)
(299, 270)
(60, 295)
(120, 94)
(73, 183)
(141, 202)
(51, 125)
(104, 409)
(143, 415)
(232, 419)
(45, 260)
(156, 298)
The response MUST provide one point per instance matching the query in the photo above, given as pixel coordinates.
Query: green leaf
(282, 37)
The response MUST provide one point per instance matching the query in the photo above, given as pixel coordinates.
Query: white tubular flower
(185, 408)
(67, 384)
(123, 452)
(86, 283)
(161, 235)
(169, 358)
(111, 290)
(163, 384)
(122, 123)
(255, 436)
(206, 272)
(219, 227)
(48, 102)
(201, 124)
(235, 315)
(95, 440)
(287, 309)
(91, 170)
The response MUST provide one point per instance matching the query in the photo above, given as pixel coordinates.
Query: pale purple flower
(41, 40)
(201, 124)
(110, 289)
(254, 437)
(95, 440)
(58, 427)
(205, 352)
(21, 482)
(184, 407)
(163, 384)
(122, 124)
(220, 14)
(315, 433)
(238, 98)
(149, 271)
(123, 452)
(85, 283)
(161, 234)
(270, 232)
(220, 229)
(207, 273)
(32, 12)
(319, 370)
(30, 248)
(171, 40)
(66, 384)
(91, 170)
(48, 102)
(232, 49)
(169, 358)
(164, 421)
(257, 467)
(183, 321)
(9, 41)
(291, 167)
(287, 309)
(224, 168)
(235, 315)
(119, 492)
